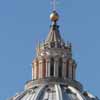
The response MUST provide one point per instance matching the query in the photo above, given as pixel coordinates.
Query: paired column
(70, 65)
(56, 67)
(74, 71)
(64, 68)
(42, 68)
(48, 67)
(35, 70)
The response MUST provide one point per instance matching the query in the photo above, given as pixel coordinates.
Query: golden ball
(54, 16)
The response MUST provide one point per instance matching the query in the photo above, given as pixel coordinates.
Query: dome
(53, 90)
(54, 71)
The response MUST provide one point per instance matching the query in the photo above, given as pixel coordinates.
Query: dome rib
(58, 92)
(39, 92)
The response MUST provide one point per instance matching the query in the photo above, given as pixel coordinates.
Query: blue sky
(24, 22)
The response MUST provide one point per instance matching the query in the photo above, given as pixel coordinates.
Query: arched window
(60, 68)
(52, 67)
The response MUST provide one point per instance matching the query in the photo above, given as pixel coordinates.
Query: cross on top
(54, 4)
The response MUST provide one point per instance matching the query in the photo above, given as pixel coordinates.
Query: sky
(25, 22)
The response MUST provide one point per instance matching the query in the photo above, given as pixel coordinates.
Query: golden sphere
(54, 16)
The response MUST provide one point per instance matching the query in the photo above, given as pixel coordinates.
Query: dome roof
(53, 91)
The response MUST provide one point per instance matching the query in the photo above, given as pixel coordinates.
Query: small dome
(54, 16)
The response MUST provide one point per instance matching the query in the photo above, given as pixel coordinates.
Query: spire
(54, 34)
